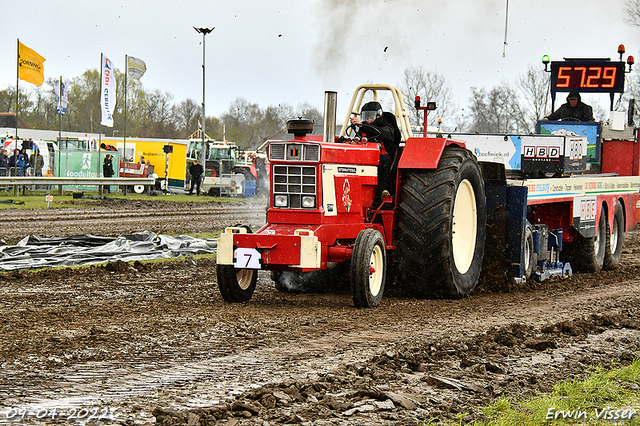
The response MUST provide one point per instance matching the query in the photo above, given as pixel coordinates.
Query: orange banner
(30, 65)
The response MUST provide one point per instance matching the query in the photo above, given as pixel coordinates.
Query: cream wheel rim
(465, 226)
(528, 249)
(613, 238)
(244, 277)
(376, 270)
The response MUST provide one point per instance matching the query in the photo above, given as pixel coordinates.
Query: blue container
(249, 188)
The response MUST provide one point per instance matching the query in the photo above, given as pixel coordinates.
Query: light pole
(204, 32)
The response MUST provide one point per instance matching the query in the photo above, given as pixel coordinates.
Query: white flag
(61, 98)
(136, 67)
(107, 92)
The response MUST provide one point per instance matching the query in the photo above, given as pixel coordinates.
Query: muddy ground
(155, 343)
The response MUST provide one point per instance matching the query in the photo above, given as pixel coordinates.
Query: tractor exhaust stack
(330, 112)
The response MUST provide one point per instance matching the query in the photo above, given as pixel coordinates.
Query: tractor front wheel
(368, 269)
(236, 285)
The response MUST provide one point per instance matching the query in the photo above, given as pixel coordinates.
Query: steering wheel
(372, 133)
(355, 128)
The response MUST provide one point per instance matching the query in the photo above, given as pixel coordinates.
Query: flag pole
(59, 127)
(124, 146)
(15, 138)
(60, 112)
(100, 188)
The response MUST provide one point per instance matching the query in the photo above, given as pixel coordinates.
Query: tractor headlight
(280, 201)
(308, 202)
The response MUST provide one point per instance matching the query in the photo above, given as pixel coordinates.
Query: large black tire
(236, 285)
(530, 256)
(615, 237)
(368, 269)
(587, 254)
(442, 226)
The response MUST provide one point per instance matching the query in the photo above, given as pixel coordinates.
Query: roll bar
(402, 116)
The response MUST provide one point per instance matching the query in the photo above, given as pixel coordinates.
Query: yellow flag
(30, 65)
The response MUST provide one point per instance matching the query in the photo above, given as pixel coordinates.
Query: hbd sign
(543, 151)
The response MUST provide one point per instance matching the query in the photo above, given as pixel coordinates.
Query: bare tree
(496, 111)
(432, 87)
(633, 12)
(534, 85)
(186, 115)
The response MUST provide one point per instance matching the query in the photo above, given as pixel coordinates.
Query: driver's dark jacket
(391, 137)
(582, 112)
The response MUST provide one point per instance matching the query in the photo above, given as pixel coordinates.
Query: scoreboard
(588, 76)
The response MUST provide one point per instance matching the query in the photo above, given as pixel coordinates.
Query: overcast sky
(291, 51)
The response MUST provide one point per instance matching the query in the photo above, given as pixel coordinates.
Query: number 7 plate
(246, 258)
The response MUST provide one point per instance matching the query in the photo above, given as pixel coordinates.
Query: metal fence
(18, 181)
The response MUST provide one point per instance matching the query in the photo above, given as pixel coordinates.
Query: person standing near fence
(21, 165)
(107, 170)
(37, 162)
(4, 163)
(12, 163)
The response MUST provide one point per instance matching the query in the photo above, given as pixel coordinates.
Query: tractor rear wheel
(615, 236)
(368, 269)
(587, 254)
(441, 226)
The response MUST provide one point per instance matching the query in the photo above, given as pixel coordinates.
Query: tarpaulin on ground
(34, 252)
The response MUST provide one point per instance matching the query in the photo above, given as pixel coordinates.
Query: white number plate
(246, 258)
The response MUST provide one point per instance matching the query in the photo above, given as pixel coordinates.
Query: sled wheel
(441, 226)
(368, 269)
(587, 255)
(615, 235)
(530, 256)
(236, 285)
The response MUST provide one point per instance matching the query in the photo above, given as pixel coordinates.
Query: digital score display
(588, 76)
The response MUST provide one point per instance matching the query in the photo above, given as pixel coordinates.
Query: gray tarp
(33, 252)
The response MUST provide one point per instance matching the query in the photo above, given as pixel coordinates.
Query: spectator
(4, 163)
(23, 151)
(107, 170)
(12, 162)
(21, 165)
(195, 171)
(36, 162)
(49, 175)
(142, 160)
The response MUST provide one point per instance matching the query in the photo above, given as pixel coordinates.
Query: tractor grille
(294, 182)
(294, 152)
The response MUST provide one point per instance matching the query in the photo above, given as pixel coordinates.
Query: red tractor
(327, 211)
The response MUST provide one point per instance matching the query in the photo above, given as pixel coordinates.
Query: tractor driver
(389, 134)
